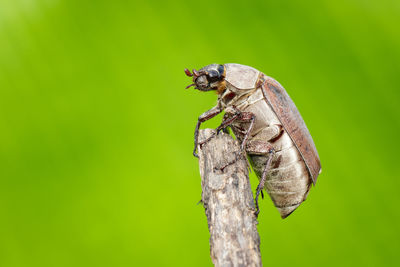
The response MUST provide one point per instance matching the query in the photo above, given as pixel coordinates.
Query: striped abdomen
(288, 181)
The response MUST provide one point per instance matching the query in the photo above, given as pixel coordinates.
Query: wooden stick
(228, 203)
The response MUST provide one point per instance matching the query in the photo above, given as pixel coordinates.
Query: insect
(270, 128)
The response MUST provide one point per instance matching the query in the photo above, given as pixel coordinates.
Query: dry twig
(228, 202)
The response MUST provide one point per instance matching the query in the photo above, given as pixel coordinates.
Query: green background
(96, 129)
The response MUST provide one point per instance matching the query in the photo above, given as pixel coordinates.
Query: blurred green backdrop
(96, 129)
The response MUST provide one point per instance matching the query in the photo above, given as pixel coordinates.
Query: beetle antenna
(189, 85)
(188, 73)
(195, 73)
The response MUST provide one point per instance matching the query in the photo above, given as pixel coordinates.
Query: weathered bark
(228, 203)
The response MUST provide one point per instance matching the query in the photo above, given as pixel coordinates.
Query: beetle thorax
(233, 97)
(240, 83)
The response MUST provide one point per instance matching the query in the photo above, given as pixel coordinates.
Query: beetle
(269, 128)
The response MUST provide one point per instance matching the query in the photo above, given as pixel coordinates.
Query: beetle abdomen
(288, 181)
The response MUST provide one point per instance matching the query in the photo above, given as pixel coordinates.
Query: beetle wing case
(293, 123)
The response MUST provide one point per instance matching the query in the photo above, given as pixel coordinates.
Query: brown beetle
(270, 128)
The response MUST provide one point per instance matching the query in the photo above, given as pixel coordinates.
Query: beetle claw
(258, 191)
(238, 155)
(208, 139)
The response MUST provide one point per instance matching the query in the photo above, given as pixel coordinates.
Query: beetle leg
(227, 122)
(243, 116)
(237, 116)
(261, 185)
(204, 117)
(240, 116)
(223, 125)
(246, 136)
(238, 155)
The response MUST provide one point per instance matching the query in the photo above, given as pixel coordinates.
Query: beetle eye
(213, 75)
(221, 69)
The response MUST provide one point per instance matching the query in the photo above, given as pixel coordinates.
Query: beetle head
(209, 78)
